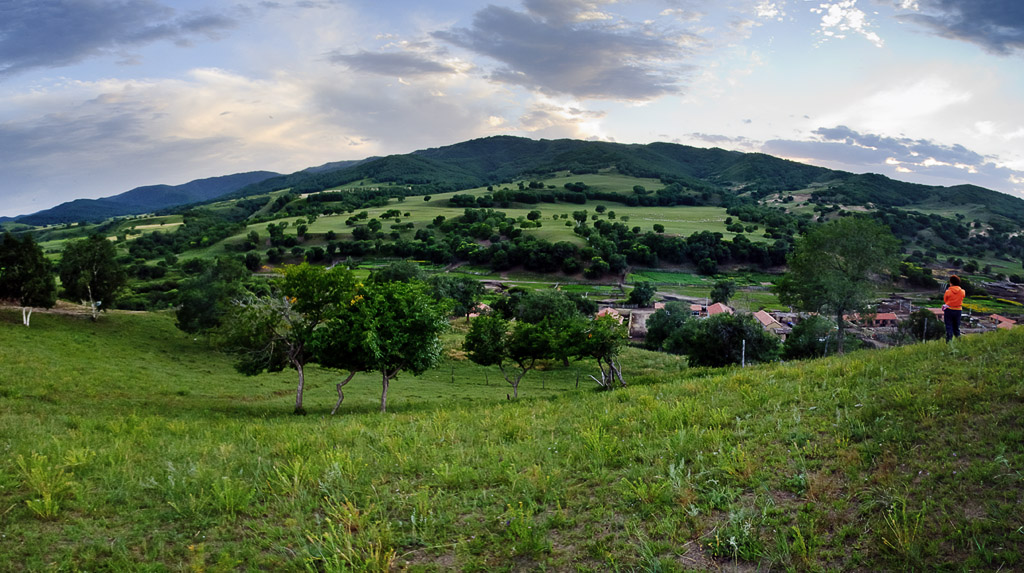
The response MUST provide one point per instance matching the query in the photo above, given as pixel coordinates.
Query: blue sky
(100, 96)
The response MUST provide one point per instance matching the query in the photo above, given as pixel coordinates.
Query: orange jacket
(954, 297)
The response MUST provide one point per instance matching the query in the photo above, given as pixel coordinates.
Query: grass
(130, 446)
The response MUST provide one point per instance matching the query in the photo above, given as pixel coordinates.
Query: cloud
(53, 33)
(839, 18)
(112, 135)
(995, 25)
(919, 160)
(392, 64)
(572, 48)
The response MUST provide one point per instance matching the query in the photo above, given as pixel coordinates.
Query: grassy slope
(152, 450)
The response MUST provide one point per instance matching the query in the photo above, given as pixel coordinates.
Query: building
(769, 323)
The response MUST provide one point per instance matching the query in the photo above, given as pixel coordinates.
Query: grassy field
(129, 446)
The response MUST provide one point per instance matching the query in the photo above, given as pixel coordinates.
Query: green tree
(400, 326)
(921, 325)
(726, 339)
(399, 271)
(602, 339)
(642, 294)
(835, 268)
(514, 347)
(274, 332)
(26, 276)
(723, 291)
(463, 292)
(204, 299)
(810, 338)
(89, 271)
(665, 322)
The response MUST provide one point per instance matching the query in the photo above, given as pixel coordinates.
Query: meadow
(130, 446)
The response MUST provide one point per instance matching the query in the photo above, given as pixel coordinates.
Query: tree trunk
(384, 394)
(26, 315)
(840, 333)
(341, 395)
(302, 384)
(92, 305)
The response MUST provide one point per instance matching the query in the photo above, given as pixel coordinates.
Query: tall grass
(156, 455)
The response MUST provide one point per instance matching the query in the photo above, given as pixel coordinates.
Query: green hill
(128, 446)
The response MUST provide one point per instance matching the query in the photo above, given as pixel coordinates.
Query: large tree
(725, 339)
(271, 333)
(204, 299)
(837, 266)
(400, 327)
(25, 275)
(89, 271)
(664, 322)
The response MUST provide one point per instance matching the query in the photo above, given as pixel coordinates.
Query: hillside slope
(129, 443)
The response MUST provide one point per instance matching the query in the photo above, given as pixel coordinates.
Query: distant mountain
(145, 199)
(335, 166)
(504, 159)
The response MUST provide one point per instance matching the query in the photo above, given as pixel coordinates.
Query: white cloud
(839, 18)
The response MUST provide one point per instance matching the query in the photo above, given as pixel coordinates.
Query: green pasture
(129, 446)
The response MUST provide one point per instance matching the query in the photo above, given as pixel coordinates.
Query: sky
(98, 97)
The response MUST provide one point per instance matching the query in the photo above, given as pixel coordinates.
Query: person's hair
(954, 280)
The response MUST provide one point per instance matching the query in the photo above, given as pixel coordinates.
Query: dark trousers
(952, 319)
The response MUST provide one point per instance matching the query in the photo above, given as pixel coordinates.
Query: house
(769, 323)
(718, 308)
(1002, 322)
(885, 320)
(609, 311)
(877, 320)
(696, 309)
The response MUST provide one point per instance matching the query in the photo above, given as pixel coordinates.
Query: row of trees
(312, 314)
(88, 272)
(526, 327)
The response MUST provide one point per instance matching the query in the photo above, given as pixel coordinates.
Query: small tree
(463, 292)
(25, 275)
(921, 325)
(836, 267)
(601, 339)
(89, 271)
(494, 341)
(642, 294)
(723, 291)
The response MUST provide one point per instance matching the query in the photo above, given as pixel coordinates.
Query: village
(878, 329)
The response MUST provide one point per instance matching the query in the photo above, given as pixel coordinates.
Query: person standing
(952, 307)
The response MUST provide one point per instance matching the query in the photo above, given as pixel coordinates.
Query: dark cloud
(52, 33)
(902, 149)
(996, 25)
(555, 49)
(918, 160)
(391, 64)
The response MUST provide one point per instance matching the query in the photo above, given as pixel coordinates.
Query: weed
(49, 482)
(902, 534)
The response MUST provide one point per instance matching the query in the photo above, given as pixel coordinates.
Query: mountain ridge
(143, 199)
